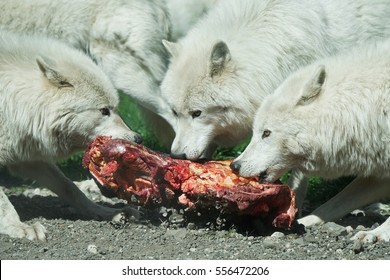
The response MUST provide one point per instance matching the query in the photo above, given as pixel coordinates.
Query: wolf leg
(11, 225)
(358, 193)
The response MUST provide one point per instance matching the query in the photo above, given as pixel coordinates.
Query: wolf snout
(179, 156)
(236, 166)
(263, 176)
(138, 139)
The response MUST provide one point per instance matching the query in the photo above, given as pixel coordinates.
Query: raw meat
(134, 172)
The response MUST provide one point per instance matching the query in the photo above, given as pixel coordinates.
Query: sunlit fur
(336, 128)
(122, 36)
(53, 101)
(185, 13)
(267, 41)
(343, 130)
(42, 121)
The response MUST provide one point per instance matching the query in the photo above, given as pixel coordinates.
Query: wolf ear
(48, 70)
(313, 87)
(171, 47)
(220, 55)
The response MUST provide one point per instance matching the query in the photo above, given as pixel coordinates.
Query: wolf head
(206, 93)
(281, 127)
(56, 100)
(81, 104)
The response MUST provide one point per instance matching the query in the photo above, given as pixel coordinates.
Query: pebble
(191, 226)
(374, 226)
(176, 219)
(349, 229)
(192, 250)
(270, 242)
(360, 228)
(277, 235)
(92, 249)
(357, 246)
(179, 233)
(310, 238)
(335, 229)
(44, 250)
(299, 241)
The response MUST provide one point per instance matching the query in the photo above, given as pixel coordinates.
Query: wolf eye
(266, 133)
(105, 111)
(65, 84)
(174, 113)
(196, 114)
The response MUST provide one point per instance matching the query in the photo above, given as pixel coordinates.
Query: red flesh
(133, 171)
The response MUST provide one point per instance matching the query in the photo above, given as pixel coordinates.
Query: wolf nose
(263, 176)
(178, 156)
(138, 139)
(235, 165)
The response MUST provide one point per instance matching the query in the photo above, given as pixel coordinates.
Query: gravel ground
(168, 234)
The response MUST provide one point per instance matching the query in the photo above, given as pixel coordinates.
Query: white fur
(122, 36)
(329, 119)
(185, 13)
(51, 102)
(267, 40)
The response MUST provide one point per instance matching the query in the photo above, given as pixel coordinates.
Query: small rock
(191, 226)
(299, 241)
(349, 229)
(357, 246)
(192, 250)
(208, 250)
(92, 249)
(179, 233)
(270, 242)
(374, 226)
(335, 229)
(44, 250)
(277, 235)
(310, 238)
(176, 219)
(361, 228)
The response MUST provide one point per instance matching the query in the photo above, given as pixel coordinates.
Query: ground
(162, 234)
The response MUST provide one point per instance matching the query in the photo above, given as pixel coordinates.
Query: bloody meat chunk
(132, 171)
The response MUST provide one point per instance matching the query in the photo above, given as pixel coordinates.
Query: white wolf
(242, 50)
(122, 36)
(330, 119)
(53, 101)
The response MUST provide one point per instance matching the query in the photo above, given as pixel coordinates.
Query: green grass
(319, 189)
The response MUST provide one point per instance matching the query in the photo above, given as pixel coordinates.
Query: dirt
(171, 234)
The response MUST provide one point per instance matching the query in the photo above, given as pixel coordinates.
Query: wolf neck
(355, 146)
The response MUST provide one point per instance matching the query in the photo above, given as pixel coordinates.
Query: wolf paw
(116, 214)
(381, 233)
(125, 214)
(22, 230)
(310, 220)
